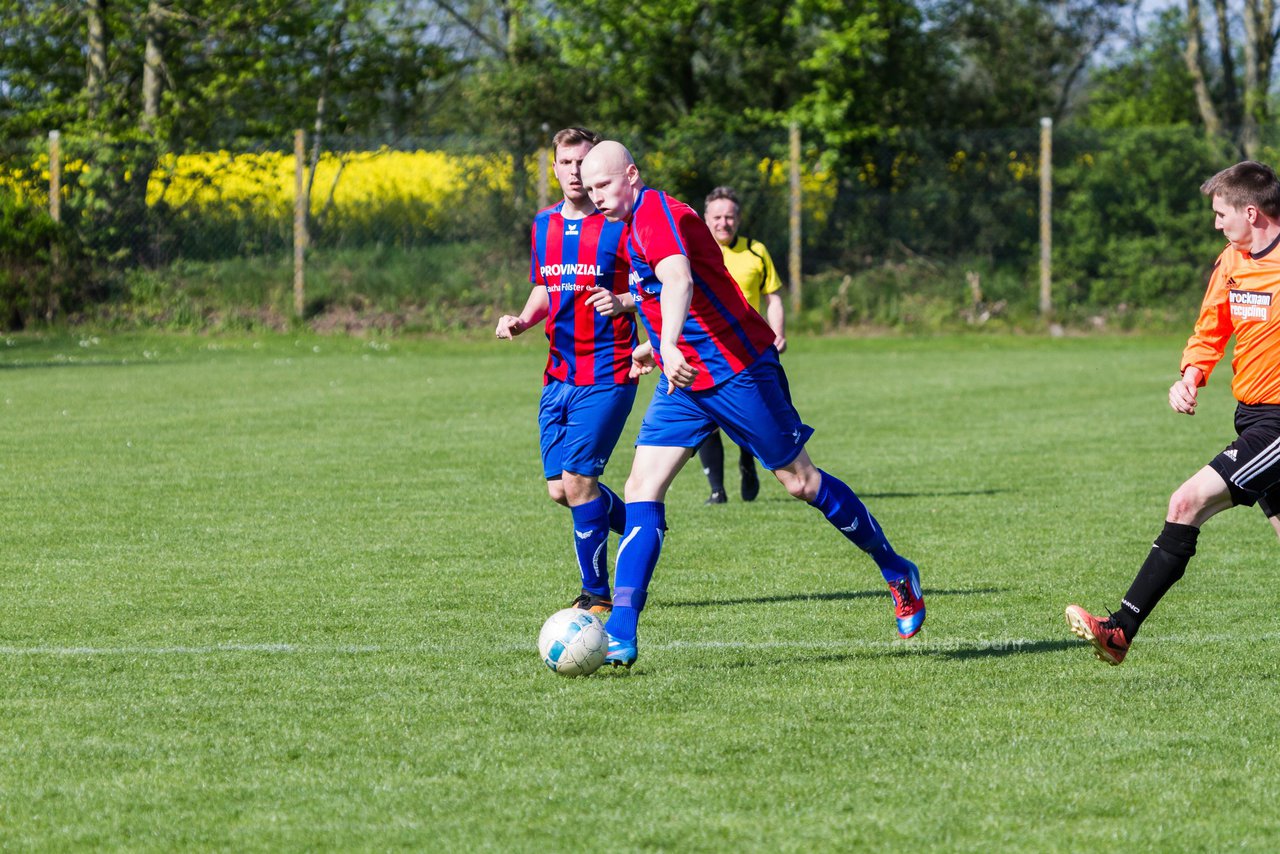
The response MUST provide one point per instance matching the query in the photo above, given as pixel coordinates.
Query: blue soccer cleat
(908, 602)
(622, 653)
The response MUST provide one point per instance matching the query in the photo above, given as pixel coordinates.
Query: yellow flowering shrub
(353, 188)
(817, 187)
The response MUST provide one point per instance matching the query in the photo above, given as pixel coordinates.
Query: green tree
(1013, 61)
(1233, 104)
(129, 80)
(1148, 85)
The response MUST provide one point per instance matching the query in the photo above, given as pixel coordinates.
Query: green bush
(37, 280)
(1131, 226)
(448, 287)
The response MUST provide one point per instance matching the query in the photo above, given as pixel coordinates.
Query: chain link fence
(921, 227)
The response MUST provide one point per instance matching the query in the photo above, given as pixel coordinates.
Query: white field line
(209, 649)
(918, 644)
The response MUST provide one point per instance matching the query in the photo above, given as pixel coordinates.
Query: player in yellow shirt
(749, 263)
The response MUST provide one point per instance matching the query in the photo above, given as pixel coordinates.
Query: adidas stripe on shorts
(1251, 464)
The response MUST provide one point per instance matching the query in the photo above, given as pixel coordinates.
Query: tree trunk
(335, 41)
(1231, 111)
(152, 65)
(1253, 98)
(1195, 67)
(523, 143)
(95, 80)
(1259, 49)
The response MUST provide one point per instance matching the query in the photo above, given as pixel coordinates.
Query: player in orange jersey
(1243, 299)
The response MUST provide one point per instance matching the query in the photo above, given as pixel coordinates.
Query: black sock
(1164, 565)
(750, 481)
(711, 455)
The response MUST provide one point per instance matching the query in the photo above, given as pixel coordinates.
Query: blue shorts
(753, 408)
(579, 426)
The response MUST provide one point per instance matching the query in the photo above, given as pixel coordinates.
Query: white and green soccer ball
(573, 642)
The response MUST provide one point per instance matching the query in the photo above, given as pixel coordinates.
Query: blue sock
(637, 556)
(617, 509)
(590, 541)
(843, 509)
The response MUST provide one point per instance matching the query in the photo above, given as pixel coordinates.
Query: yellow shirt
(752, 269)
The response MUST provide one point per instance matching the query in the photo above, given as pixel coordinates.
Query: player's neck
(1265, 238)
(574, 211)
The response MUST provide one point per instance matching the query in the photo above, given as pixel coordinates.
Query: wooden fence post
(542, 158)
(55, 175)
(1046, 211)
(793, 260)
(52, 300)
(301, 205)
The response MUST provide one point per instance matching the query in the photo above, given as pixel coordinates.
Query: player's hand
(509, 326)
(642, 361)
(679, 373)
(780, 341)
(1182, 394)
(604, 301)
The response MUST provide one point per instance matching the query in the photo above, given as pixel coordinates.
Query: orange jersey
(1243, 299)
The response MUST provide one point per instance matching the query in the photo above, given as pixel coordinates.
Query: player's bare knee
(579, 489)
(1188, 504)
(808, 491)
(636, 486)
(797, 485)
(555, 489)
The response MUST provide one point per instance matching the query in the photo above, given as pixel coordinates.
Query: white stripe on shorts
(1270, 456)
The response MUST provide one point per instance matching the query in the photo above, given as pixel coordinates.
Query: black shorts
(1251, 464)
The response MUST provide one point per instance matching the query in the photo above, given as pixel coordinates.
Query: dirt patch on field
(345, 319)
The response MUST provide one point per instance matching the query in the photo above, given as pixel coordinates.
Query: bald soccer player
(719, 368)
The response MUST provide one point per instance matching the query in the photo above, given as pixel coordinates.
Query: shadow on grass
(994, 648)
(954, 493)
(769, 497)
(958, 650)
(965, 650)
(119, 363)
(841, 596)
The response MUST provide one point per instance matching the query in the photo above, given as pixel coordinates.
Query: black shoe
(750, 481)
(717, 497)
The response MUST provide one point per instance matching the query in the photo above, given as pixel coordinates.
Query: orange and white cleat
(1108, 640)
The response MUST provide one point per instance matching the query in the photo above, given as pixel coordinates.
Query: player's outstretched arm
(677, 295)
(535, 310)
(1182, 394)
(606, 302)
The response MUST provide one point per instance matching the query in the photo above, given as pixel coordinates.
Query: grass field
(282, 594)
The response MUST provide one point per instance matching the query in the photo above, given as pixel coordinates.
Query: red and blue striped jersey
(722, 333)
(570, 257)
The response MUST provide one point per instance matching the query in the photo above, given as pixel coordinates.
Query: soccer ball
(573, 642)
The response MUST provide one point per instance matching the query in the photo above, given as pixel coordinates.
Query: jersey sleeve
(772, 281)
(657, 232)
(1208, 342)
